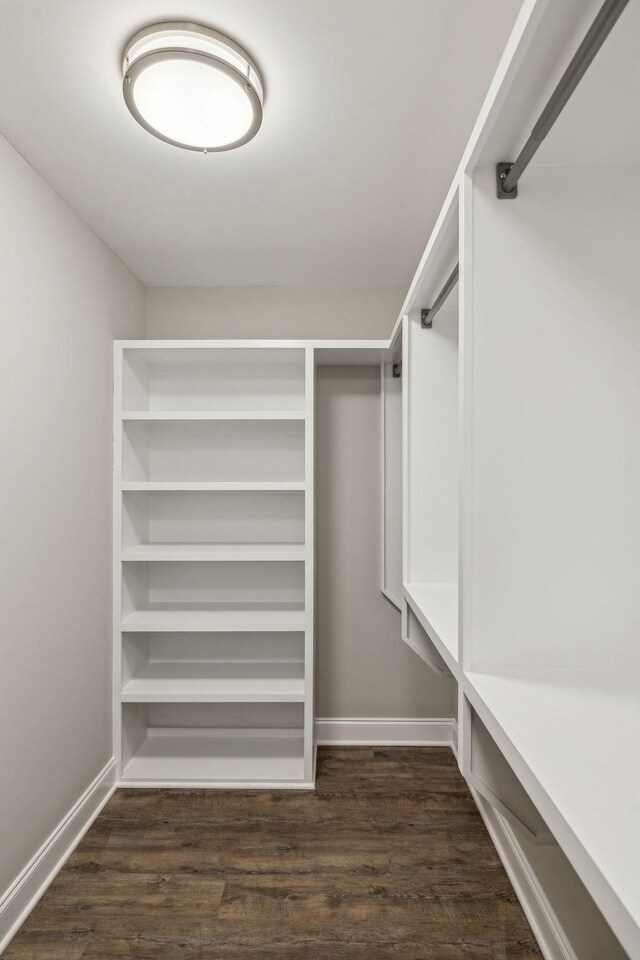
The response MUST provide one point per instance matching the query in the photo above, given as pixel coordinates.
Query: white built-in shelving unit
(214, 564)
(521, 432)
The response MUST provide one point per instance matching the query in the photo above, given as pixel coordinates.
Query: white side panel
(125, 528)
(432, 456)
(309, 568)
(556, 430)
(465, 409)
(391, 500)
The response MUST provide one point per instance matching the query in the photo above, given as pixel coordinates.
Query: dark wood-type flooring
(388, 858)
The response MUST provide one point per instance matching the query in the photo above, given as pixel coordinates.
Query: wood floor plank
(387, 860)
(112, 893)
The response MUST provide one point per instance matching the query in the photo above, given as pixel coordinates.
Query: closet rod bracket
(425, 321)
(502, 169)
(396, 370)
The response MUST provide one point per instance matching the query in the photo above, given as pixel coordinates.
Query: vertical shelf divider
(117, 546)
(309, 530)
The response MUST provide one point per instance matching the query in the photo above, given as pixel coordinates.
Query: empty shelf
(249, 620)
(215, 551)
(223, 681)
(213, 415)
(568, 736)
(436, 607)
(152, 485)
(225, 756)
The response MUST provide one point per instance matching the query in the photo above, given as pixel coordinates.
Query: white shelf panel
(170, 346)
(232, 755)
(215, 551)
(215, 621)
(222, 681)
(436, 607)
(572, 737)
(170, 415)
(216, 485)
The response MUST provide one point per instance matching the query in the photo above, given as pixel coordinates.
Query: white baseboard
(454, 739)
(384, 732)
(542, 919)
(17, 902)
(216, 785)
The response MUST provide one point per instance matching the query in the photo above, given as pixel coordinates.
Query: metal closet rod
(508, 174)
(428, 313)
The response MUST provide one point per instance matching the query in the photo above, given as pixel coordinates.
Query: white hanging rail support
(508, 174)
(428, 313)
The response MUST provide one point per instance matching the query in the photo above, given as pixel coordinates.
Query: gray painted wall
(272, 312)
(65, 297)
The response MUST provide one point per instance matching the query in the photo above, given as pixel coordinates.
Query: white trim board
(216, 784)
(564, 919)
(384, 732)
(22, 895)
(544, 924)
(395, 597)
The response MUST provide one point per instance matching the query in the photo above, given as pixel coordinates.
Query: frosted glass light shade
(191, 87)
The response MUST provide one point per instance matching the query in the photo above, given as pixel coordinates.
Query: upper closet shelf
(325, 351)
(215, 485)
(552, 727)
(436, 607)
(215, 621)
(166, 415)
(214, 551)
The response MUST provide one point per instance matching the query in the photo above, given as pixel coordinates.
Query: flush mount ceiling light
(193, 87)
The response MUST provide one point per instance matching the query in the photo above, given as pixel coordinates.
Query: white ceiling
(368, 106)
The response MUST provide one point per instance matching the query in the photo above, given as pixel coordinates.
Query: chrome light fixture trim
(181, 40)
